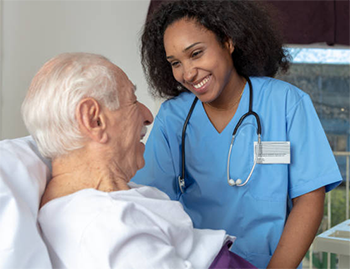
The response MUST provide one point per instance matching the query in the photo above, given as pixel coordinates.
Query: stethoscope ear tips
(231, 182)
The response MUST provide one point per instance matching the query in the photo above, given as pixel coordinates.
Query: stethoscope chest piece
(181, 184)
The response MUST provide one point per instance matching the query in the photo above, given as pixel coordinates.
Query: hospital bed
(23, 177)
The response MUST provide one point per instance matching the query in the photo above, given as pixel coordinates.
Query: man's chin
(140, 163)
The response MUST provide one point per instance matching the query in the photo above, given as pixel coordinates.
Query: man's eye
(174, 64)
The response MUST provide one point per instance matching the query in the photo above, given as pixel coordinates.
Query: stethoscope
(231, 182)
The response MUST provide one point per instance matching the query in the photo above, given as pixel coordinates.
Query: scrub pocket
(269, 182)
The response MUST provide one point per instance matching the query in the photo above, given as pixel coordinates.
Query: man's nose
(147, 115)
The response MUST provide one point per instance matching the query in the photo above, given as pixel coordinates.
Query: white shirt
(136, 228)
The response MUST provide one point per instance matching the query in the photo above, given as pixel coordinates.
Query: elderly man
(83, 113)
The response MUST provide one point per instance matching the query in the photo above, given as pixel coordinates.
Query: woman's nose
(190, 73)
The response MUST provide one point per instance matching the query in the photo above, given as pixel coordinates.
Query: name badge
(269, 152)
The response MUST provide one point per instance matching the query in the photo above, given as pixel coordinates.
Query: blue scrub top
(255, 213)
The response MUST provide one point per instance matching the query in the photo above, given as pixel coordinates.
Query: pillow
(23, 178)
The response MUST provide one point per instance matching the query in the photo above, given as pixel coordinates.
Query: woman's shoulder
(272, 90)
(183, 99)
(276, 85)
(176, 107)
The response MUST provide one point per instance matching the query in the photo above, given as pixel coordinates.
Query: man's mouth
(143, 132)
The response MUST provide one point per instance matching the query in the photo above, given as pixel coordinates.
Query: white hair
(49, 108)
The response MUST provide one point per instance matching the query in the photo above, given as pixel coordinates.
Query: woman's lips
(201, 86)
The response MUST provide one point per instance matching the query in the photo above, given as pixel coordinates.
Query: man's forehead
(121, 75)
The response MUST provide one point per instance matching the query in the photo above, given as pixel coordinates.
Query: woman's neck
(231, 95)
(221, 111)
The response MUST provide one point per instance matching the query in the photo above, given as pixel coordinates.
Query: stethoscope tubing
(181, 178)
(250, 111)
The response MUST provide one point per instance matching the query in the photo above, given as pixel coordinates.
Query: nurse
(212, 50)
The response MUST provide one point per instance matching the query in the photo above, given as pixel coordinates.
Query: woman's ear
(92, 121)
(229, 45)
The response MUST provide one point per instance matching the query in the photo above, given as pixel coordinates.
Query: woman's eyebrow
(190, 46)
(185, 49)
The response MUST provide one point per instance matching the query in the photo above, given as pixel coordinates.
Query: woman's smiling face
(199, 62)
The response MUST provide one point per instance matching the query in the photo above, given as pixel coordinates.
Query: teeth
(203, 82)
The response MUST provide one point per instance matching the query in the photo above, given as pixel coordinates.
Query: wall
(34, 31)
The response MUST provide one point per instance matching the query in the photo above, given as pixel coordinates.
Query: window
(325, 75)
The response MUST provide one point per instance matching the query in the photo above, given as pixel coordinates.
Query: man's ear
(91, 119)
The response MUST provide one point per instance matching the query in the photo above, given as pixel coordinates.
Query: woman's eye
(174, 64)
(196, 53)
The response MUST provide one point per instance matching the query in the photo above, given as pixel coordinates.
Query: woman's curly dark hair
(258, 45)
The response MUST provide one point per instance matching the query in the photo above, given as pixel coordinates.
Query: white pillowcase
(23, 178)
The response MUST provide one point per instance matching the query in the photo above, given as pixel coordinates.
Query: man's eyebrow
(134, 88)
(185, 49)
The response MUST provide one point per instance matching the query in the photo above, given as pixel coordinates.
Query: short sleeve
(159, 167)
(312, 161)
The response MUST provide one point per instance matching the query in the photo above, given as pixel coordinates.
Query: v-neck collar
(243, 107)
